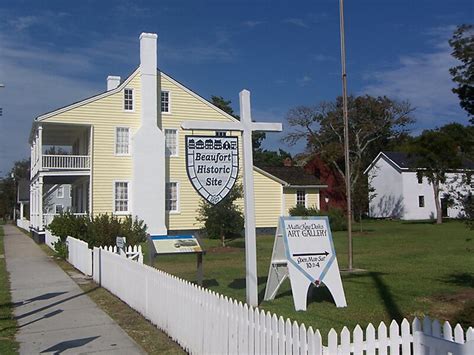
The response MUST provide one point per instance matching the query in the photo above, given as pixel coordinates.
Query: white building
(400, 194)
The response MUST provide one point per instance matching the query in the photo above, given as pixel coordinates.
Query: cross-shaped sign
(246, 126)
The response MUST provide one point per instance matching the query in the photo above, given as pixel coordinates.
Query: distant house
(334, 195)
(56, 199)
(400, 194)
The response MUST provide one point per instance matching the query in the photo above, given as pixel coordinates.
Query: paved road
(54, 315)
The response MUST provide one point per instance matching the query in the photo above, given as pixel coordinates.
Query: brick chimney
(287, 162)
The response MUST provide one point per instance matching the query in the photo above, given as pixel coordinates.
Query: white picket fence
(204, 322)
(23, 224)
(133, 252)
(79, 255)
(50, 239)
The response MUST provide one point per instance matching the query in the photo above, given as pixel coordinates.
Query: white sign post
(246, 126)
(304, 252)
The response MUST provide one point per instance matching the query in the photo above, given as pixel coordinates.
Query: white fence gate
(204, 322)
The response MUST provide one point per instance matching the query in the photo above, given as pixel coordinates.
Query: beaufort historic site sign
(304, 252)
(212, 164)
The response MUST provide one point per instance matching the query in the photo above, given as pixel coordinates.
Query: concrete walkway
(54, 315)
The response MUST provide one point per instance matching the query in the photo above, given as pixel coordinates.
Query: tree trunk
(439, 212)
(223, 239)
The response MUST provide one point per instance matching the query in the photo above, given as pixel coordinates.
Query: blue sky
(285, 52)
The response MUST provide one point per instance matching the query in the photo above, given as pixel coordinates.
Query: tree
(373, 121)
(462, 44)
(435, 153)
(263, 157)
(20, 170)
(224, 105)
(224, 219)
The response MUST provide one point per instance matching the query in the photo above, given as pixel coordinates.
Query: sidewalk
(54, 315)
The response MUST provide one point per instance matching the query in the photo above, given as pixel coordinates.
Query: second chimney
(112, 82)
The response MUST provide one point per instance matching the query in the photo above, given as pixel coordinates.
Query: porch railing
(66, 162)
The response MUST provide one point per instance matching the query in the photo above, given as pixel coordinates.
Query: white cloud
(424, 80)
(299, 22)
(304, 80)
(252, 24)
(39, 79)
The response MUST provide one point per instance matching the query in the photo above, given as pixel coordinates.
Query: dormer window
(165, 102)
(128, 99)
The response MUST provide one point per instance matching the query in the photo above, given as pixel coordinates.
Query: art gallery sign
(304, 252)
(212, 164)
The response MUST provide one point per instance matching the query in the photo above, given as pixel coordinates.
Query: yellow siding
(267, 200)
(289, 195)
(105, 114)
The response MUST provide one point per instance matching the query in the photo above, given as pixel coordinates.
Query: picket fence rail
(79, 255)
(23, 224)
(50, 239)
(204, 322)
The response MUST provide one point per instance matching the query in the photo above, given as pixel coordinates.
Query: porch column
(40, 203)
(22, 214)
(40, 151)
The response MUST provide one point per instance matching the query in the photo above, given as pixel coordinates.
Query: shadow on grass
(210, 283)
(383, 290)
(464, 279)
(239, 284)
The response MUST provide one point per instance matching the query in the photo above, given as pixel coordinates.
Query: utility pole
(1, 109)
(346, 133)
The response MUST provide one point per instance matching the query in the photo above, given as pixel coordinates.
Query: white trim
(60, 188)
(177, 142)
(169, 112)
(129, 204)
(129, 142)
(305, 197)
(133, 100)
(178, 209)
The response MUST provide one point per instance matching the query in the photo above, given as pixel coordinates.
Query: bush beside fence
(204, 322)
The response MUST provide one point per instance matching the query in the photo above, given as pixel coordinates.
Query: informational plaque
(176, 244)
(304, 251)
(212, 164)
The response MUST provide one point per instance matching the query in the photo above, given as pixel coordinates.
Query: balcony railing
(67, 162)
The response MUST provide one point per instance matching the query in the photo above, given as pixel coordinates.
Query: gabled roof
(123, 84)
(290, 176)
(406, 162)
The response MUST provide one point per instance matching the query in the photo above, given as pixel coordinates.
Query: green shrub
(100, 230)
(60, 247)
(337, 217)
(224, 220)
(68, 225)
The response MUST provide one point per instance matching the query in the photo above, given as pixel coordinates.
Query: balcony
(66, 162)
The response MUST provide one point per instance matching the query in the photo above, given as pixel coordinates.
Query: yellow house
(123, 153)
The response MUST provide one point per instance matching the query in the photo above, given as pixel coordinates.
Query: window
(420, 179)
(121, 197)
(165, 101)
(172, 196)
(60, 192)
(122, 140)
(221, 133)
(128, 99)
(301, 198)
(171, 142)
(58, 209)
(421, 201)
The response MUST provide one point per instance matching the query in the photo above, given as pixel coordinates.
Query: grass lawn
(412, 269)
(8, 325)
